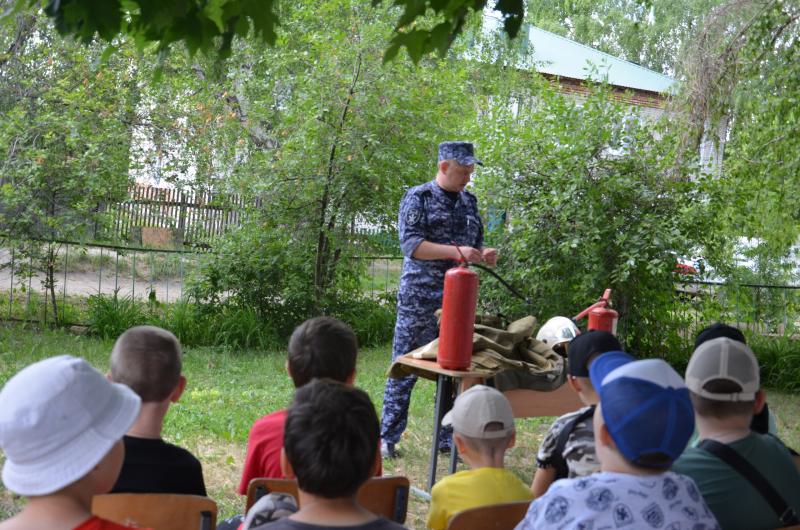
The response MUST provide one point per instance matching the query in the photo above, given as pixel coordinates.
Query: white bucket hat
(58, 418)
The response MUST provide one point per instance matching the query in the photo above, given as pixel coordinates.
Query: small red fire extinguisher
(458, 318)
(601, 316)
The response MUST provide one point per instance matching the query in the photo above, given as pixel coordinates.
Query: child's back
(331, 448)
(567, 450)
(148, 360)
(641, 425)
(483, 429)
(321, 347)
(61, 424)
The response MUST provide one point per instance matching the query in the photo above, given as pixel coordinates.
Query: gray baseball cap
(476, 408)
(461, 152)
(723, 359)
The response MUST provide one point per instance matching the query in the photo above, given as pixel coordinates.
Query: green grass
(228, 390)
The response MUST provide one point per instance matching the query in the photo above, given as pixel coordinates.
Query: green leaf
(214, 10)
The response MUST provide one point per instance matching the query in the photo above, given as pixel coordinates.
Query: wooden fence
(193, 217)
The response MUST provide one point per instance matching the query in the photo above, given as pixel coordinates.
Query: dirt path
(87, 283)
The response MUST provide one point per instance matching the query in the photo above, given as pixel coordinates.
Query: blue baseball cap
(461, 152)
(646, 408)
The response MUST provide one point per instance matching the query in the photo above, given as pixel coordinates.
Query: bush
(110, 316)
(593, 201)
(185, 320)
(779, 358)
(372, 320)
(241, 327)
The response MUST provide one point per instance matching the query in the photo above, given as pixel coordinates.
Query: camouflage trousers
(416, 325)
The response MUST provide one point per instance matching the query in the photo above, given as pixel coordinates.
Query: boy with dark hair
(567, 450)
(331, 448)
(61, 427)
(483, 429)
(321, 347)
(641, 424)
(748, 479)
(148, 360)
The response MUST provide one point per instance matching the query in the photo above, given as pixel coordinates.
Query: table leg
(453, 449)
(444, 393)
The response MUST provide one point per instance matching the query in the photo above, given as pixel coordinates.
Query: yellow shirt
(473, 488)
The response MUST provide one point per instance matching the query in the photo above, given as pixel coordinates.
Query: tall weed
(109, 316)
(241, 327)
(779, 358)
(187, 322)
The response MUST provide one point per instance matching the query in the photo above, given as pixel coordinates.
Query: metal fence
(148, 275)
(81, 271)
(762, 308)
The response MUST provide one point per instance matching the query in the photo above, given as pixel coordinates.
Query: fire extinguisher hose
(504, 283)
(499, 278)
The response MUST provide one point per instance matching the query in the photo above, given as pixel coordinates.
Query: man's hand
(472, 255)
(489, 256)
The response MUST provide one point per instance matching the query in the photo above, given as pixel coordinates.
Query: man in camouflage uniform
(435, 217)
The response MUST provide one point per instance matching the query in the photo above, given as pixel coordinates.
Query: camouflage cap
(461, 152)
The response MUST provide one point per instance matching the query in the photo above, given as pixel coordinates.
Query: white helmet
(557, 330)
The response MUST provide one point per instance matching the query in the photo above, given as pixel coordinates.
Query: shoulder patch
(412, 216)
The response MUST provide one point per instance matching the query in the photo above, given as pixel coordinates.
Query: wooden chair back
(258, 487)
(386, 496)
(160, 511)
(492, 517)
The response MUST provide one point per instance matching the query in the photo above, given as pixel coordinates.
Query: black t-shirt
(452, 195)
(155, 466)
(381, 523)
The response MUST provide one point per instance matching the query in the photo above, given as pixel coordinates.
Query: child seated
(723, 378)
(567, 450)
(321, 347)
(331, 448)
(61, 427)
(148, 360)
(483, 428)
(641, 425)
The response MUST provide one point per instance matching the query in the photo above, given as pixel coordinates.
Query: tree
(64, 138)
(592, 203)
(212, 25)
(347, 134)
(743, 75)
(652, 34)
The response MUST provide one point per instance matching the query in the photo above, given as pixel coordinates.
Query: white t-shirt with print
(612, 501)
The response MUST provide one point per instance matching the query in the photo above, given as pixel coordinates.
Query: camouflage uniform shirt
(578, 452)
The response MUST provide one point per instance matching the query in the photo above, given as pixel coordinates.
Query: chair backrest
(492, 517)
(258, 487)
(160, 511)
(387, 496)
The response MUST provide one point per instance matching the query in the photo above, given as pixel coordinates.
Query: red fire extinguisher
(458, 318)
(601, 316)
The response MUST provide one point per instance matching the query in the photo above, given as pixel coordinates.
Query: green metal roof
(557, 55)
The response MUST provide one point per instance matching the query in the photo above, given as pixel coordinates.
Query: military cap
(461, 152)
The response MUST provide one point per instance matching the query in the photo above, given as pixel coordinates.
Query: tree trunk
(323, 271)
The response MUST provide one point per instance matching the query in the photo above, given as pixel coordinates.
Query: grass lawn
(228, 391)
